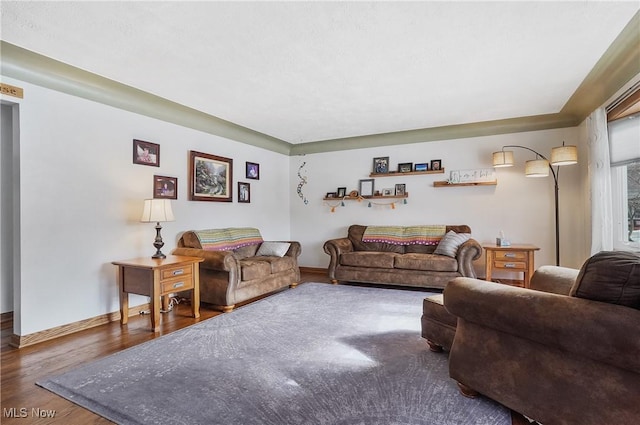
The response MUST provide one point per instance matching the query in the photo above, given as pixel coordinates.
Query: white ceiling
(310, 71)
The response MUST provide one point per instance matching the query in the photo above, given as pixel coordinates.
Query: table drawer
(511, 255)
(510, 265)
(177, 284)
(171, 272)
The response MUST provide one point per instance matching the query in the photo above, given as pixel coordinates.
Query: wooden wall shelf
(445, 183)
(408, 173)
(365, 198)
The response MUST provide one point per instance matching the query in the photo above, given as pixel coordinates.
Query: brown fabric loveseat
(567, 358)
(239, 266)
(416, 265)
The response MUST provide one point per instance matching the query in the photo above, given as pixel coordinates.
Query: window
(624, 145)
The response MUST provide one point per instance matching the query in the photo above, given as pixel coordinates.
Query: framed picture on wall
(436, 164)
(342, 192)
(421, 167)
(244, 192)
(253, 171)
(210, 177)
(405, 167)
(165, 187)
(146, 153)
(401, 189)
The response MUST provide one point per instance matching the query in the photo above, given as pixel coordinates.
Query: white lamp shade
(503, 159)
(156, 210)
(564, 155)
(537, 168)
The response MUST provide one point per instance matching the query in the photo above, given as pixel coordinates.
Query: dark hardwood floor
(21, 368)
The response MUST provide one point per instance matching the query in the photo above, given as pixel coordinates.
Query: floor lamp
(539, 167)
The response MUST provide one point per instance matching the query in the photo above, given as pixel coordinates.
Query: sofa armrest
(295, 249)
(335, 247)
(468, 252)
(213, 260)
(596, 330)
(554, 279)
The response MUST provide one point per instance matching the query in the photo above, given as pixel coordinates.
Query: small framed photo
(244, 192)
(146, 153)
(342, 192)
(253, 171)
(405, 167)
(436, 164)
(365, 187)
(381, 165)
(210, 177)
(387, 192)
(165, 187)
(401, 189)
(331, 195)
(421, 167)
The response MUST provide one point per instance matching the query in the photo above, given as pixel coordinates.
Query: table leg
(124, 297)
(155, 302)
(195, 296)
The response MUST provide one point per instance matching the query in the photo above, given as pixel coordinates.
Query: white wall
(6, 204)
(522, 207)
(81, 200)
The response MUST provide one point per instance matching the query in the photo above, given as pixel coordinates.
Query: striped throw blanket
(405, 235)
(228, 239)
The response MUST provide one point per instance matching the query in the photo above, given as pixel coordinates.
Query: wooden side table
(513, 258)
(156, 278)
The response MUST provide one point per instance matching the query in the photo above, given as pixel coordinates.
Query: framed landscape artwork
(210, 177)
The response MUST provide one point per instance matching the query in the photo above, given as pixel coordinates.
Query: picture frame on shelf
(405, 167)
(252, 170)
(366, 187)
(423, 166)
(165, 187)
(146, 153)
(387, 192)
(244, 192)
(381, 165)
(436, 164)
(210, 177)
(331, 195)
(401, 189)
(342, 192)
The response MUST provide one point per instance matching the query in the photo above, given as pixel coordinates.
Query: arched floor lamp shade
(540, 167)
(158, 210)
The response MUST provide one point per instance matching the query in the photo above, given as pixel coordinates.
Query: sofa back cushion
(355, 234)
(610, 276)
(228, 239)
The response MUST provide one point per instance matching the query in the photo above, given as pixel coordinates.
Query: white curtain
(600, 182)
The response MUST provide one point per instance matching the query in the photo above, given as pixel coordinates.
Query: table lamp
(157, 210)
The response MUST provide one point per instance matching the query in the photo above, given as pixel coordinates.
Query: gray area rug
(317, 354)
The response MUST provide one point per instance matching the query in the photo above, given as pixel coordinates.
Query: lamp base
(158, 243)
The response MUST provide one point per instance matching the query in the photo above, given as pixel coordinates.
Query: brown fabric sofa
(353, 260)
(569, 358)
(232, 276)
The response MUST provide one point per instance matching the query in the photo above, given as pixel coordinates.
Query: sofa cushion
(450, 243)
(280, 264)
(368, 259)
(610, 276)
(273, 249)
(245, 251)
(426, 262)
(252, 268)
(228, 239)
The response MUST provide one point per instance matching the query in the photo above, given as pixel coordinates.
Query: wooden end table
(517, 258)
(157, 278)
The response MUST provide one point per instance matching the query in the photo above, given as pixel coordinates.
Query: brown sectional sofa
(229, 277)
(353, 260)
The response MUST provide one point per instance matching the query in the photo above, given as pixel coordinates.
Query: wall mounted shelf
(408, 173)
(366, 198)
(445, 183)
